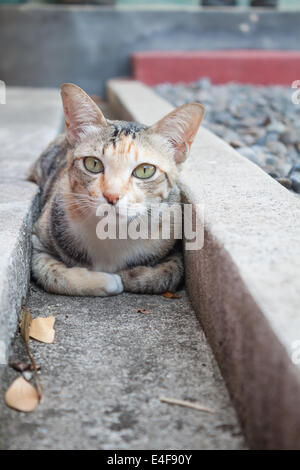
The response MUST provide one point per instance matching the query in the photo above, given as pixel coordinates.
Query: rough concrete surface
(244, 283)
(105, 371)
(29, 120)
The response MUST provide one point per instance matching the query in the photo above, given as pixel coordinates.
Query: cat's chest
(113, 254)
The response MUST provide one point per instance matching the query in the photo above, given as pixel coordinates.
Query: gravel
(261, 123)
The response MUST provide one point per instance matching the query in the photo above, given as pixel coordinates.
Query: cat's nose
(111, 198)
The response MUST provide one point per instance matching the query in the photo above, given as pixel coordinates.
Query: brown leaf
(171, 295)
(22, 396)
(142, 310)
(42, 329)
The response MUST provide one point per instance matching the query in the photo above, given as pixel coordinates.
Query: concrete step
(29, 120)
(105, 371)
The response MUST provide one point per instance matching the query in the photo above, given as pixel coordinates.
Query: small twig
(25, 322)
(187, 404)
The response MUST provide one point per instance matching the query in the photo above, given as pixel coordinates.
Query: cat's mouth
(130, 211)
(122, 211)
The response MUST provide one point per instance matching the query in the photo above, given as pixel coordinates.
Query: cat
(119, 164)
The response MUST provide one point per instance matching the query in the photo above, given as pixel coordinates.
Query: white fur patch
(114, 284)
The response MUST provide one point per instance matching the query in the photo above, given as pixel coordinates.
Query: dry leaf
(42, 330)
(22, 396)
(142, 310)
(187, 404)
(171, 295)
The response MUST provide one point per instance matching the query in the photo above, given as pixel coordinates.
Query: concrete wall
(48, 45)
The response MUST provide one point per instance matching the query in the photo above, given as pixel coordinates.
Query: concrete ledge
(16, 217)
(29, 120)
(244, 283)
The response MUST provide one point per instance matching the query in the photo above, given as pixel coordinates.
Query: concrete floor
(105, 371)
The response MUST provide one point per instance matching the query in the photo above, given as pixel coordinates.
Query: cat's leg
(55, 277)
(163, 277)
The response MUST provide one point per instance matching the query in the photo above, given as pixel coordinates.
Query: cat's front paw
(114, 284)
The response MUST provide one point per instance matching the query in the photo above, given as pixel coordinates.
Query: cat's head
(124, 163)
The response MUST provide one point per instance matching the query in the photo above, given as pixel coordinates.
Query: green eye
(144, 171)
(93, 165)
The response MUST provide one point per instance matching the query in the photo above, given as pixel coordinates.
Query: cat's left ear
(81, 112)
(180, 127)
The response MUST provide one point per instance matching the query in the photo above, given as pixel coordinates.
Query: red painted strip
(243, 66)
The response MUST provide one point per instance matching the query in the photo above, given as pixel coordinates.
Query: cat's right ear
(179, 128)
(81, 112)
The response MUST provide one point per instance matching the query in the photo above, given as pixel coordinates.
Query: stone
(278, 148)
(292, 155)
(290, 137)
(248, 153)
(277, 127)
(205, 97)
(261, 140)
(295, 179)
(249, 139)
(272, 137)
(223, 117)
(270, 159)
(295, 168)
(235, 143)
(286, 182)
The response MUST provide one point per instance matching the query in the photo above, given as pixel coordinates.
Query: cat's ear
(180, 127)
(81, 112)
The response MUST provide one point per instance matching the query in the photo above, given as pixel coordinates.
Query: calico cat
(123, 165)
